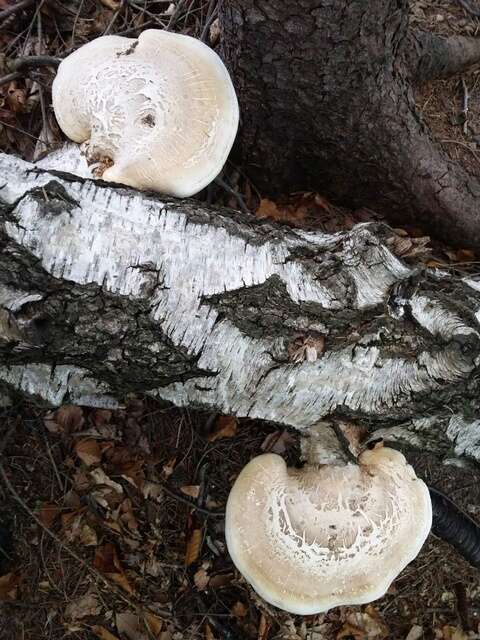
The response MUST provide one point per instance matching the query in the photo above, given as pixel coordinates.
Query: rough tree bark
(105, 291)
(327, 103)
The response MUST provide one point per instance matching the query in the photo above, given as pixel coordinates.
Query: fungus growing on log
(314, 538)
(157, 113)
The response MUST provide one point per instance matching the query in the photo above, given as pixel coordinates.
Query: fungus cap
(159, 112)
(311, 539)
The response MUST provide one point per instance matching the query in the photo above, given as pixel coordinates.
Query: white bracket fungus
(319, 537)
(157, 113)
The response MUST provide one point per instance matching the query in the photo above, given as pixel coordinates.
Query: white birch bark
(105, 290)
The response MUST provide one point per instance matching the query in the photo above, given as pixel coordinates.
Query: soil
(136, 552)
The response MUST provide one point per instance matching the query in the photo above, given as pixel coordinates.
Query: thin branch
(211, 15)
(464, 112)
(191, 504)
(4, 441)
(463, 144)
(29, 62)
(23, 4)
(11, 77)
(19, 65)
(230, 190)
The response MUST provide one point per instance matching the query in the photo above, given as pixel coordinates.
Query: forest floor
(116, 517)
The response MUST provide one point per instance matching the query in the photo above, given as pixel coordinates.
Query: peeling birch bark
(105, 291)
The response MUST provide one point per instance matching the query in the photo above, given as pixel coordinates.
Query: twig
(52, 460)
(130, 30)
(211, 15)
(221, 182)
(462, 605)
(23, 4)
(191, 504)
(463, 144)
(4, 441)
(44, 131)
(27, 62)
(464, 112)
(175, 14)
(469, 9)
(75, 21)
(10, 78)
(113, 20)
(23, 64)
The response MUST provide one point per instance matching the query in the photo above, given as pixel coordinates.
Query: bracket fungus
(314, 538)
(157, 113)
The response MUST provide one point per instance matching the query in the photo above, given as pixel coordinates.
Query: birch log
(106, 291)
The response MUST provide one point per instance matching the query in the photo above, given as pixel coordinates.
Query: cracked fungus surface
(162, 109)
(311, 539)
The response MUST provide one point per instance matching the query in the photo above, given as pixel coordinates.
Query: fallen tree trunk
(106, 291)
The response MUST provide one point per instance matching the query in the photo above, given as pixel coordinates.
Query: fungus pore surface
(311, 539)
(155, 113)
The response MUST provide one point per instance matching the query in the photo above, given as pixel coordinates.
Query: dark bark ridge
(106, 291)
(327, 103)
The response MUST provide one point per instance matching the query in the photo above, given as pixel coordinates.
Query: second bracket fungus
(158, 113)
(311, 539)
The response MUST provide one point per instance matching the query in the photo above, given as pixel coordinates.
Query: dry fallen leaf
(152, 490)
(355, 435)
(192, 490)
(101, 417)
(351, 631)
(463, 255)
(81, 480)
(88, 536)
(155, 625)
(69, 418)
(308, 348)
(130, 625)
(208, 632)
(435, 264)
(220, 580)
(293, 211)
(82, 607)
(201, 579)
(263, 628)
(101, 478)
(415, 633)
(404, 246)
(48, 513)
(16, 97)
(107, 562)
(103, 633)
(89, 451)
(111, 4)
(9, 585)
(366, 625)
(454, 633)
(194, 545)
(127, 516)
(69, 516)
(226, 428)
(239, 610)
(277, 442)
(72, 524)
(169, 467)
